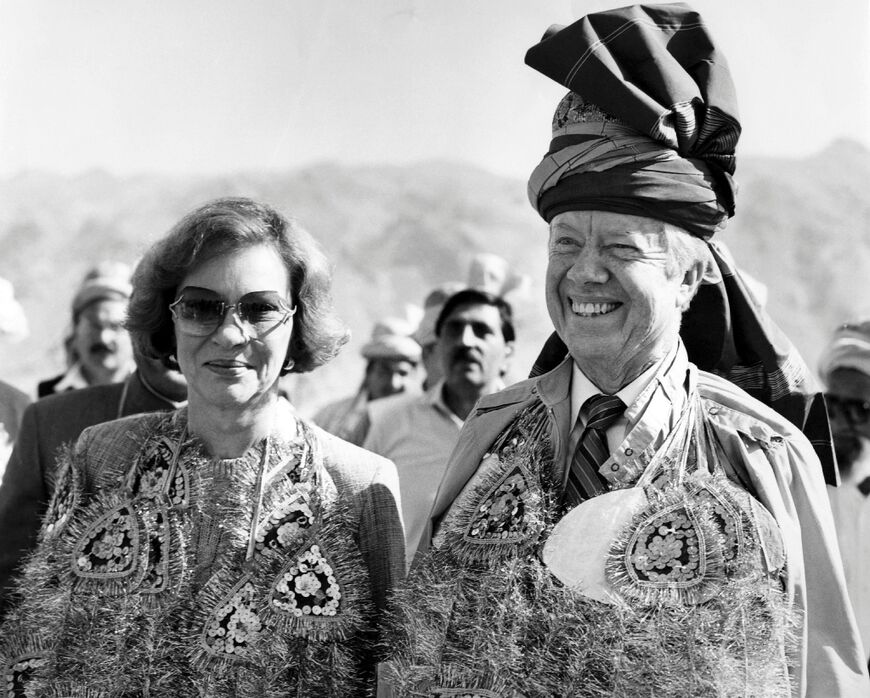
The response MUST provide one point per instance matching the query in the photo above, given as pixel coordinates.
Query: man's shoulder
(506, 397)
(126, 429)
(80, 396)
(97, 403)
(330, 409)
(388, 408)
(727, 404)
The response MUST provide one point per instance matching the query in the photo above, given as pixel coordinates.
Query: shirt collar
(582, 388)
(435, 397)
(73, 379)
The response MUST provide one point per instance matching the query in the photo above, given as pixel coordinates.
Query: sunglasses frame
(186, 324)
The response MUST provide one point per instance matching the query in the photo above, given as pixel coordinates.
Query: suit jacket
(47, 425)
(765, 452)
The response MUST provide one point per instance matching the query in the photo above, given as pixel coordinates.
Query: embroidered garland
(698, 615)
(157, 589)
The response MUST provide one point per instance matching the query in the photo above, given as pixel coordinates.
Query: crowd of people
(665, 506)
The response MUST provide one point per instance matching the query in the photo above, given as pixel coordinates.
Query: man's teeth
(590, 309)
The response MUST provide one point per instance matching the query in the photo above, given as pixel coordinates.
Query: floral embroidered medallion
(233, 626)
(156, 575)
(501, 514)
(726, 519)
(307, 587)
(287, 523)
(667, 549)
(109, 547)
(19, 671)
(155, 476)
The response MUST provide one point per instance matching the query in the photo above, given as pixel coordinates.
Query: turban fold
(665, 147)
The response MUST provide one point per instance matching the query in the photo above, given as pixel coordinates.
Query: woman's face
(236, 365)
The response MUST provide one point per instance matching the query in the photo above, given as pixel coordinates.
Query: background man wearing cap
(417, 432)
(486, 272)
(56, 420)
(98, 346)
(571, 557)
(845, 370)
(392, 357)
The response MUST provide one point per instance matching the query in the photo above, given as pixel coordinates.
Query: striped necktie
(584, 480)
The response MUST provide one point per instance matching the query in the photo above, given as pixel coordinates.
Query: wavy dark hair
(478, 296)
(219, 227)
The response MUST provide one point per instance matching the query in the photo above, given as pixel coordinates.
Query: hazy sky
(213, 86)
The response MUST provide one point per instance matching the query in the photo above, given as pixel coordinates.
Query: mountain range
(802, 229)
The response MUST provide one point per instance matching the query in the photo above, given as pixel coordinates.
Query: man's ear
(692, 279)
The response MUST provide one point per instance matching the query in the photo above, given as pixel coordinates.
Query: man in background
(98, 347)
(845, 370)
(392, 359)
(475, 334)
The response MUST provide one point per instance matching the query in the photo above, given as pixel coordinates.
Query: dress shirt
(417, 433)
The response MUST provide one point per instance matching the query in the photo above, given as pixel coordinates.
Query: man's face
(385, 377)
(100, 341)
(610, 293)
(473, 348)
(848, 398)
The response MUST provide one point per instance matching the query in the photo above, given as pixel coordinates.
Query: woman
(226, 549)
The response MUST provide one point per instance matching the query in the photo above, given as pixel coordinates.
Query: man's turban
(650, 125)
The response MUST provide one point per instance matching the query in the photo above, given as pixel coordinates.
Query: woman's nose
(232, 331)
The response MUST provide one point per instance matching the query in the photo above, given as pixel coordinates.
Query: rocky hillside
(802, 228)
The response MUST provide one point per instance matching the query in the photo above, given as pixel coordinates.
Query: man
(845, 369)
(98, 346)
(486, 272)
(475, 334)
(571, 555)
(392, 359)
(56, 420)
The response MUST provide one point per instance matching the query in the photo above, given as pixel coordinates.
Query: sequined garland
(491, 620)
(149, 588)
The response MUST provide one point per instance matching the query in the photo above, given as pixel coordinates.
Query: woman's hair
(228, 225)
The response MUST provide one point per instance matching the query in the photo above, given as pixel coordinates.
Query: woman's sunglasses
(855, 412)
(199, 312)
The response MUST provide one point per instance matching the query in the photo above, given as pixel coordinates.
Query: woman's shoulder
(350, 465)
(115, 442)
(125, 429)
